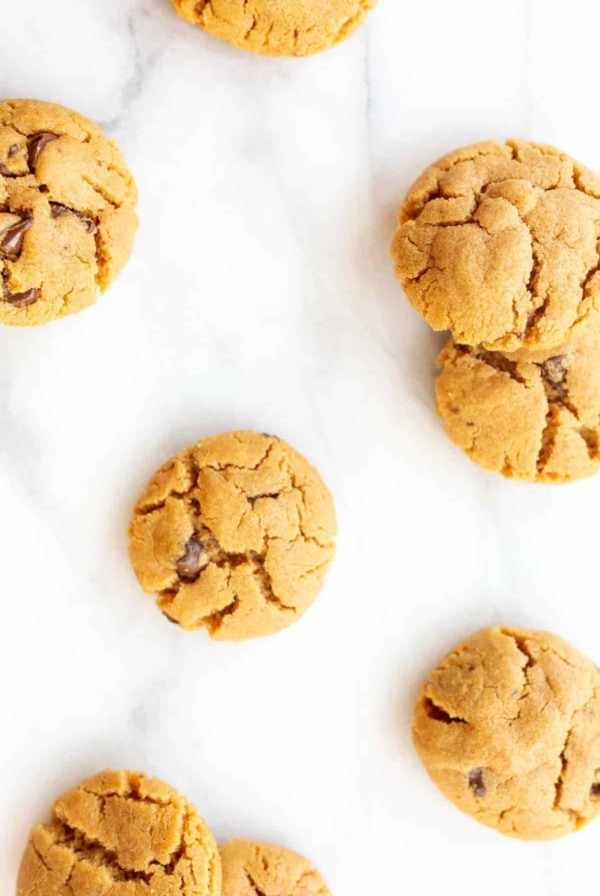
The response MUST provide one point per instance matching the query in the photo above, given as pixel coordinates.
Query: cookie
(67, 219)
(235, 535)
(277, 27)
(533, 420)
(124, 834)
(498, 243)
(257, 868)
(508, 727)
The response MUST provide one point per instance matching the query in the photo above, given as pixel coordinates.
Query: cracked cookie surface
(121, 834)
(499, 243)
(67, 219)
(537, 420)
(235, 535)
(277, 27)
(508, 727)
(259, 869)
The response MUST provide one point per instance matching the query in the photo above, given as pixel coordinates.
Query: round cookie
(498, 243)
(537, 420)
(277, 27)
(124, 834)
(235, 535)
(508, 727)
(67, 219)
(250, 868)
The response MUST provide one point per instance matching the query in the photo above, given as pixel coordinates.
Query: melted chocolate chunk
(188, 566)
(476, 782)
(37, 144)
(11, 238)
(58, 210)
(21, 299)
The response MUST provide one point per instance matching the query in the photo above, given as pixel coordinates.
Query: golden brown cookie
(67, 218)
(508, 726)
(235, 535)
(498, 243)
(121, 834)
(277, 27)
(259, 869)
(535, 420)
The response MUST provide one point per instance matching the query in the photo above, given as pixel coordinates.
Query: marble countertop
(260, 295)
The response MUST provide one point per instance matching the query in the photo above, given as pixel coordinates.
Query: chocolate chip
(13, 150)
(37, 144)
(476, 782)
(11, 238)
(188, 566)
(595, 792)
(57, 210)
(21, 299)
(554, 370)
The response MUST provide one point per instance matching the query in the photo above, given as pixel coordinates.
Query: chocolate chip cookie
(508, 726)
(277, 27)
(235, 535)
(251, 868)
(67, 219)
(123, 834)
(498, 243)
(536, 419)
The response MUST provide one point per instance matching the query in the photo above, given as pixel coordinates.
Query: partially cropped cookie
(123, 834)
(235, 535)
(534, 420)
(498, 243)
(508, 727)
(67, 218)
(251, 868)
(277, 27)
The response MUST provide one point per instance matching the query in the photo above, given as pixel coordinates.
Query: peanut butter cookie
(498, 243)
(277, 27)
(235, 534)
(534, 420)
(508, 727)
(123, 834)
(67, 218)
(258, 869)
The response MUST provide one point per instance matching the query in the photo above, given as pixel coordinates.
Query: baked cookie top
(235, 535)
(124, 834)
(498, 243)
(67, 219)
(534, 420)
(277, 27)
(250, 868)
(508, 727)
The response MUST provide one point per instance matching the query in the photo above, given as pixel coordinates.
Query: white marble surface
(260, 295)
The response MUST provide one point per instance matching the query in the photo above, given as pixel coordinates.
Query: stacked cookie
(124, 834)
(499, 243)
